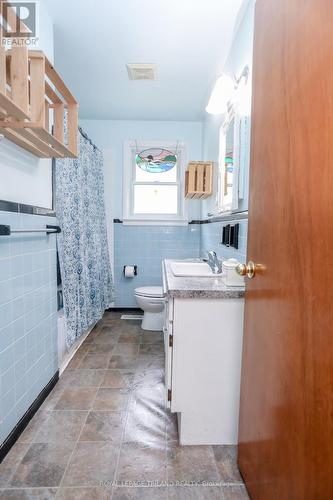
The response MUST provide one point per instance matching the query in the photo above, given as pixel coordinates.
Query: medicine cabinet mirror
(234, 153)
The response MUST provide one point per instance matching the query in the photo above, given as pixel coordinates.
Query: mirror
(229, 163)
(229, 170)
(234, 153)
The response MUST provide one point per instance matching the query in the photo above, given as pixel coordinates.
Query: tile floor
(104, 433)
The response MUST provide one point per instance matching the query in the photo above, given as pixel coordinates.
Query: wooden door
(286, 416)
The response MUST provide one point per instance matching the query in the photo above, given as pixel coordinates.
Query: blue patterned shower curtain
(83, 248)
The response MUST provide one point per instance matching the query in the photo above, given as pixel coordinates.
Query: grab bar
(7, 231)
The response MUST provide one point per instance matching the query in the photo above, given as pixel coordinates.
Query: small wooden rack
(33, 102)
(199, 179)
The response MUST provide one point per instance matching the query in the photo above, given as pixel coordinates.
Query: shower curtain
(82, 244)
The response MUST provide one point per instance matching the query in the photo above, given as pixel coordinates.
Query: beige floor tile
(53, 397)
(129, 326)
(102, 348)
(191, 463)
(149, 378)
(197, 492)
(130, 338)
(107, 335)
(84, 494)
(237, 492)
(153, 349)
(153, 493)
(78, 357)
(226, 460)
(43, 465)
(92, 335)
(103, 426)
(111, 399)
(29, 494)
(145, 427)
(61, 426)
(95, 360)
(140, 462)
(30, 432)
(91, 464)
(150, 362)
(82, 378)
(118, 379)
(148, 337)
(11, 462)
(127, 350)
(123, 363)
(150, 400)
(76, 398)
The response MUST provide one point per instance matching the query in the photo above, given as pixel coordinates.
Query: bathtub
(65, 355)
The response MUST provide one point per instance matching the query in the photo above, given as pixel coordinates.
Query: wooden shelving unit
(12, 94)
(33, 103)
(199, 179)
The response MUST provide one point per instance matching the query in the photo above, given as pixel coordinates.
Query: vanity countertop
(194, 287)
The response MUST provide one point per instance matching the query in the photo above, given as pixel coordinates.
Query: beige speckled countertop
(194, 287)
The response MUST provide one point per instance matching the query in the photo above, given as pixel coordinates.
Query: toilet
(151, 300)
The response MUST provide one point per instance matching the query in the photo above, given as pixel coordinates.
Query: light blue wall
(211, 237)
(146, 247)
(111, 134)
(28, 316)
(240, 55)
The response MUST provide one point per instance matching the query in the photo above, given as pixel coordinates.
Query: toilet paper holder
(135, 270)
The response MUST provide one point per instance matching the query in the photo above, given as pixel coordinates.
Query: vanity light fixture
(223, 91)
(221, 95)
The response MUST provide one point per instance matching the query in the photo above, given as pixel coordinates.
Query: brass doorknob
(248, 269)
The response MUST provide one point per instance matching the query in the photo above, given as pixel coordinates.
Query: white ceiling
(187, 39)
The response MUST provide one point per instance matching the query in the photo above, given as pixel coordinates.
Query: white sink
(199, 269)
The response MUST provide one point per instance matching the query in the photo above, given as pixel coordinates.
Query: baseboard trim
(123, 309)
(19, 428)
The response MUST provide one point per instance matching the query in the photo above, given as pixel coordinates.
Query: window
(153, 175)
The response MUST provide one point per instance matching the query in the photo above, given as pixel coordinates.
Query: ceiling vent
(141, 71)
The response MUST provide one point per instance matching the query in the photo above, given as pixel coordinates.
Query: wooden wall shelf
(33, 103)
(199, 179)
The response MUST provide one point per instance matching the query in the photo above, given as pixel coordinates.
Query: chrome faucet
(214, 263)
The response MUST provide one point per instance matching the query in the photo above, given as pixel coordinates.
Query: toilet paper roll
(129, 272)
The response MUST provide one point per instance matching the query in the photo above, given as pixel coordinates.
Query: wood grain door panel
(286, 426)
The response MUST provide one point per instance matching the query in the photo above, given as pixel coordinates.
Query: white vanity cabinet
(168, 349)
(203, 347)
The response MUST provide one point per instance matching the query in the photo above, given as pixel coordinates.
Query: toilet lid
(150, 291)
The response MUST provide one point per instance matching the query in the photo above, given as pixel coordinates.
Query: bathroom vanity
(203, 332)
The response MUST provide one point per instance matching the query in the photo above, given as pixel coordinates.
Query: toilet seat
(150, 291)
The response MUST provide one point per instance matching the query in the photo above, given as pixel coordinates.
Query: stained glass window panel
(142, 176)
(156, 165)
(156, 160)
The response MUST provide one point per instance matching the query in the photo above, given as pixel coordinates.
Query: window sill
(155, 222)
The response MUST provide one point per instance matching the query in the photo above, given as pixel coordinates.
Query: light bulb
(222, 93)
